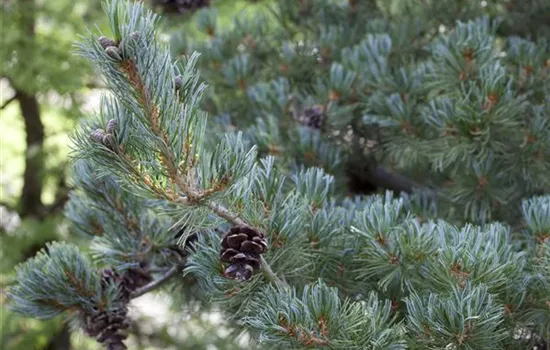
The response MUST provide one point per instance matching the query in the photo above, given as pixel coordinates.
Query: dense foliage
(461, 108)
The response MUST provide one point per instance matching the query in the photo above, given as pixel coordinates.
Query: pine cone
(108, 327)
(114, 52)
(180, 6)
(312, 116)
(111, 126)
(241, 248)
(97, 135)
(109, 141)
(106, 42)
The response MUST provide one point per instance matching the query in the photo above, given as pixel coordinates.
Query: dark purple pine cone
(313, 116)
(241, 248)
(106, 42)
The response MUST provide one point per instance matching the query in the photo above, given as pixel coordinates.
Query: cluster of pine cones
(106, 137)
(180, 6)
(241, 249)
(108, 327)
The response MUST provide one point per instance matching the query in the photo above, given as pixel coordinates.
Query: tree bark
(30, 202)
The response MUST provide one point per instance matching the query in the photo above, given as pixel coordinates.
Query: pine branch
(193, 196)
(378, 176)
(224, 213)
(171, 272)
(270, 275)
(392, 181)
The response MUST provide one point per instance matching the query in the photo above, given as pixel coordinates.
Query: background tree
(41, 74)
(281, 249)
(401, 96)
(41, 84)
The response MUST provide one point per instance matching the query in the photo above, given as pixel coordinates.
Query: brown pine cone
(313, 117)
(108, 327)
(241, 248)
(106, 42)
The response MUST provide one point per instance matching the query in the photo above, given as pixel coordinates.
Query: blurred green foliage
(37, 58)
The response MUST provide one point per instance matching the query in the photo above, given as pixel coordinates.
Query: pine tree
(276, 245)
(394, 95)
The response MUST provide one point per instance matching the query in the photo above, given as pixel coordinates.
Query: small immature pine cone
(97, 135)
(108, 141)
(178, 81)
(111, 126)
(241, 248)
(114, 53)
(106, 42)
(134, 36)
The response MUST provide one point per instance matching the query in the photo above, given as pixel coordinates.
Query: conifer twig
(269, 274)
(171, 272)
(224, 213)
(167, 159)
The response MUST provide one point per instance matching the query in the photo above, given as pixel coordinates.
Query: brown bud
(106, 42)
(114, 53)
(111, 126)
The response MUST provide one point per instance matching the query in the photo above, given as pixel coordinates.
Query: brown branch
(366, 178)
(8, 101)
(193, 196)
(156, 283)
(392, 181)
(224, 213)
